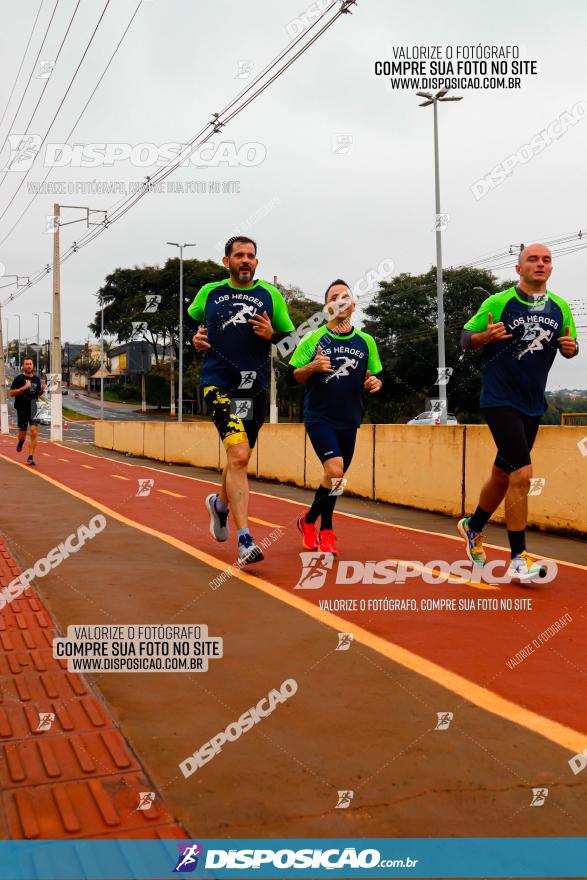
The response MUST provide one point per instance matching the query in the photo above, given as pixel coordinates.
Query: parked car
(430, 418)
(43, 415)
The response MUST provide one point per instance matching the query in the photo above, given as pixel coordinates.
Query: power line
(84, 108)
(40, 98)
(61, 103)
(22, 62)
(31, 73)
(215, 125)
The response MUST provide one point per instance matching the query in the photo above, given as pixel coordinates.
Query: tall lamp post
(18, 342)
(37, 316)
(439, 97)
(101, 359)
(49, 337)
(180, 400)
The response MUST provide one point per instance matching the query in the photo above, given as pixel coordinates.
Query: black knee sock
(316, 509)
(327, 511)
(479, 520)
(517, 542)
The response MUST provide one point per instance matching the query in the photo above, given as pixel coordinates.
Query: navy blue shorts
(330, 442)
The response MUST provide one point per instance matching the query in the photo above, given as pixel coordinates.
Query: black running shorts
(514, 433)
(238, 415)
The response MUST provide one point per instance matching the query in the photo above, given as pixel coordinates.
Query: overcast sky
(320, 207)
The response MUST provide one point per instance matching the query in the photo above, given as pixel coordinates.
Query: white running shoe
(525, 568)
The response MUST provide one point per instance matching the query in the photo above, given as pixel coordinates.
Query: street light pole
(101, 359)
(180, 346)
(18, 341)
(36, 314)
(434, 100)
(49, 337)
(3, 402)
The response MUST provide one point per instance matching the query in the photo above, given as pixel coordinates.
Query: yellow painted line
(118, 477)
(560, 734)
(89, 467)
(338, 512)
(168, 492)
(264, 522)
(448, 578)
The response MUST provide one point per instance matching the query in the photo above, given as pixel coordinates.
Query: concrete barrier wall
(420, 466)
(437, 468)
(556, 459)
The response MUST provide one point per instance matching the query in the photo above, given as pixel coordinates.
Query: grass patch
(72, 416)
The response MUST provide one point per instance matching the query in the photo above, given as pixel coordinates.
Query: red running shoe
(309, 533)
(327, 542)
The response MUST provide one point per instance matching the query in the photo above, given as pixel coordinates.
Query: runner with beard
(239, 320)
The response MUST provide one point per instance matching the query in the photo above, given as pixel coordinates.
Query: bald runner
(519, 332)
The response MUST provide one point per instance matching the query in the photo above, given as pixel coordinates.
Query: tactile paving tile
(49, 758)
(81, 809)
(78, 778)
(18, 720)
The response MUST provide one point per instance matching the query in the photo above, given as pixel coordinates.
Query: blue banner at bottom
(302, 858)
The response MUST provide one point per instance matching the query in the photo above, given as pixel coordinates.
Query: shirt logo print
(535, 336)
(240, 317)
(343, 370)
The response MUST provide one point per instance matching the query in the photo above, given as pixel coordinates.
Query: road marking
(63, 459)
(118, 477)
(564, 736)
(89, 467)
(169, 492)
(264, 522)
(278, 498)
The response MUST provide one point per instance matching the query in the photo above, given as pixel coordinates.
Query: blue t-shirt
(515, 370)
(238, 357)
(337, 398)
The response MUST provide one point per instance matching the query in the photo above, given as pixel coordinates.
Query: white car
(430, 418)
(43, 415)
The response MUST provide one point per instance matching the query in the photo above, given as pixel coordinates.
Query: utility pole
(180, 344)
(3, 403)
(273, 411)
(56, 366)
(434, 99)
(55, 378)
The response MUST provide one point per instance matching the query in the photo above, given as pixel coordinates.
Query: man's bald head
(534, 266)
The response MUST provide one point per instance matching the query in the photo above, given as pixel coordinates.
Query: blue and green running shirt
(236, 352)
(336, 397)
(515, 370)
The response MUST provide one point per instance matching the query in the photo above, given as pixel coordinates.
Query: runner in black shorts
(336, 362)
(520, 331)
(25, 390)
(239, 319)
(238, 417)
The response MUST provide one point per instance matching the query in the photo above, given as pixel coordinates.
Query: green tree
(403, 320)
(125, 293)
